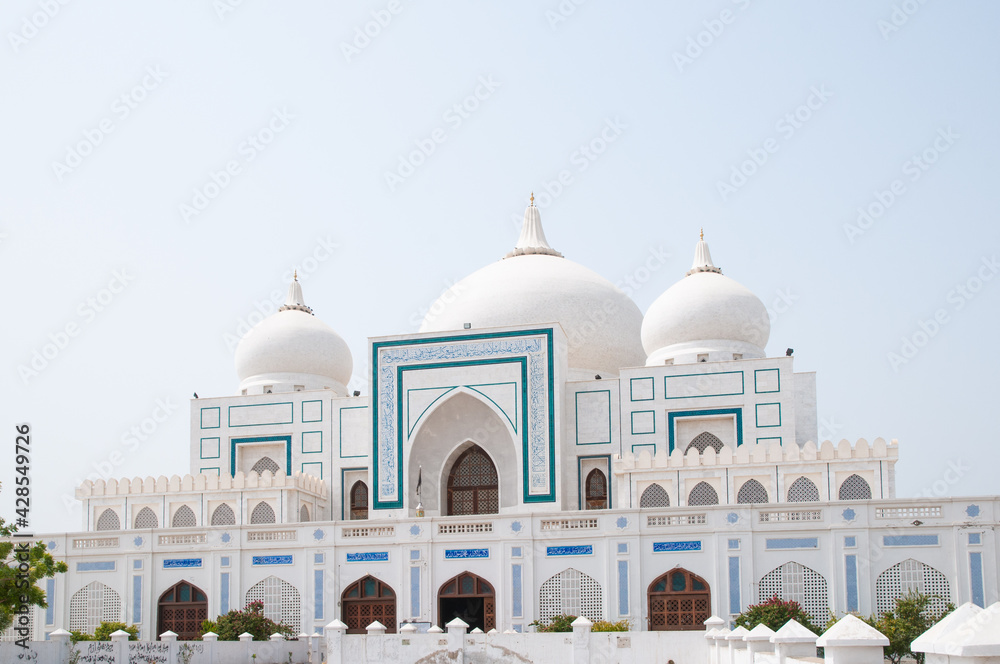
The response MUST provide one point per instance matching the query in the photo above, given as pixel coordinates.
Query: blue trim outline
(743, 385)
(671, 424)
(759, 391)
(756, 412)
(291, 414)
(576, 415)
(652, 388)
(287, 440)
(632, 422)
(302, 411)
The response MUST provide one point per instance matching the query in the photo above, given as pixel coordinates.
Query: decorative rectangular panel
(581, 550)
(766, 381)
(792, 543)
(254, 415)
(667, 547)
(910, 540)
(271, 560)
(718, 384)
(593, 417)
(461, 554)
(368, 557)
(181, 563)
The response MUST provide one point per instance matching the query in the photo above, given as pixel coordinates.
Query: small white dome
(533, 285)
(293, 347)
(705, 313)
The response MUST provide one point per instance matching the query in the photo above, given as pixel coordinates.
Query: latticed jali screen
(911, 576)
(796, 583)
(570, 592)
(281, 601)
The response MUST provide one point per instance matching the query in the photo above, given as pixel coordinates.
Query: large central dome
(533, 285)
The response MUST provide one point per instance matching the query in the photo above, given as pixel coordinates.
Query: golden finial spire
(295, 275)
(703, 234)
(532, 198)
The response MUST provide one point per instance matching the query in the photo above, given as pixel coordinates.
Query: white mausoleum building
(540, 447)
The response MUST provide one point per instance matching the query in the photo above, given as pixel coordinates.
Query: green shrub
(911, 616)
(103, 631)
(608, 626)
(775, 613)
(560, 623)
(75, 636)
(250, 620)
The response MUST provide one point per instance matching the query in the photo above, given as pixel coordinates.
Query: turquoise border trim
(642, 412)
(513, 423)
(757, 416)
(550, 380)
(302, 410)
(302, 442)
(217, 409)
(410, 424)
(291, 414)
(343, 489)
(580, 490)
(761, 440)
(759, 391)
(218, 471)
(287, 440)
(218, 448)
(310, 464)
(641, 445)
(671, 429)
(340, 425)
(743, 386)
(652, 388)
(576, 416)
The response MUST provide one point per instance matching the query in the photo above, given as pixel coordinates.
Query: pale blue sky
(346, 120)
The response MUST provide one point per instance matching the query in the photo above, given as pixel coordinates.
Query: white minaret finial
(532, 240)
(702, 258)
(294, 299)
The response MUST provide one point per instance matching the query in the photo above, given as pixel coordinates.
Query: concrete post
(758, 640)
(581, 640)
(335, 642)
(852, 641)
(276, 637)
(171, 639)
(376, 628)
(62, 637)
(119, 643)
(793, 640)
(314, 645)
(456, 639)
(720, 650)
(968, 635)
(736, 643)
(210, 639)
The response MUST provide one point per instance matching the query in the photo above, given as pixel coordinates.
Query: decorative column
(456, 639)
(335, 642)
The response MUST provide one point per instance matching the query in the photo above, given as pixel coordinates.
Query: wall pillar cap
(434, 629)
(337, 625)
(714, 621)
(710, 634)
(582, 622)
(977, 636)
(375, 628)
(926, 641)
(459, 623)
(59, 632)
(793, 632)
(408, 629)
(737, 634)
(246, 636)
(721, 633)
(209, 636)
(276, 637)
(476, 631)
(851, 631)
(759, 633)
(493, 631)
(168, 636)
(302, 637)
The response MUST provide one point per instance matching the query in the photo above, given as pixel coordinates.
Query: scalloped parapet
(761, 454)
(200, 483)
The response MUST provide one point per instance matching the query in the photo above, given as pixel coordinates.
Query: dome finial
(702, 258)
(294, 299)
(532, 240)
(703, 234)
(295, 275)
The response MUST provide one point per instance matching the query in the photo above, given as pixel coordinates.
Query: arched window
(751, 493)
(303, 514)
(703, 441)
(359, 501)
(703, 494)
(182, 608)
(266, 463)
(146, 518)
(572, 593)
(262, 513)
(597, 490)
(365, 601)
(654, 496)
(281, 600)
(678, 600)
(907, 577)
(855, 488)
(793, 582)
(108, 521)
(803, 490)
(473, 485)
(470, 598)
(93, 604)
(184, 518)
(223, 516)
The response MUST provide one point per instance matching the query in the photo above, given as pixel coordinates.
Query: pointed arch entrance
(365, 601)
(678, 600)
(181, 609)
(473, 484)
(470, 598)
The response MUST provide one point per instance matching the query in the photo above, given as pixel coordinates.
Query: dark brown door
(181, 610)
(470, 598)
(365, 601)
(678, 600)
(473, 487)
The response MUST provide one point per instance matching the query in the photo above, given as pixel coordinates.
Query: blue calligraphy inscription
(582, 550)
(368, 557)
(271, 560)
(178, 563)
(665, 547)
(460, 554)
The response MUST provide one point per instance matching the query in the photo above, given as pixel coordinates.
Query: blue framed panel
(318, 594)
(224, 592)
(605, 437)
(734, 585)
(769, 417)
(96, 566)
(272, 560)
(289, 419)
(314, 413)
(579, 550)
(415, 591)
(287, 440)
(770, 439)
(312, 442)
(368, 557)
(181, 563)
(652, 447)
(210, 448)
(344, 488)
(211, 418)
(976, 579)
(672, 418)
(340, 437)
(792, 543)
(646, 422)
(732, 391)
(136, 599)
(465, 554)
(642, 389)
(516, 591)
(910, 540)
(314, 468)
(766, 381)
(623, 588)
(210, 470)
(672, 547)
(851, 580)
